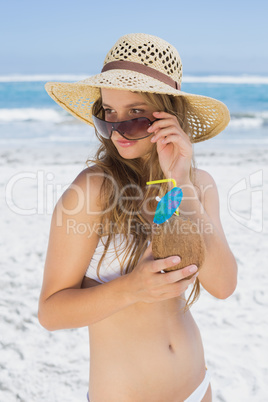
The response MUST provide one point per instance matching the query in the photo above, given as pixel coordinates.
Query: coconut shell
(179, 236)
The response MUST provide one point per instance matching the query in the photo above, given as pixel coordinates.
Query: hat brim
(207, 116)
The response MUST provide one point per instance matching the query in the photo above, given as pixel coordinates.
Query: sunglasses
(135, 129)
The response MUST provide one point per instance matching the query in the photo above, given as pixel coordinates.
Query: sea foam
(33, 114)
(56, 116)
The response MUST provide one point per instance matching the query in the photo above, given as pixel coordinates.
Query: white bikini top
(110, 267)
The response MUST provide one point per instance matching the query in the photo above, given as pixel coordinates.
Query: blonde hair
(130, 175)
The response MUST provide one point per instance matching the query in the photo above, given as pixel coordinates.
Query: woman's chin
(129, 153)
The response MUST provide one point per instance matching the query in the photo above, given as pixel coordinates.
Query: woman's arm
(63, 303)
(75, 308)
(89, 283)
(72, 242)
(219, 271)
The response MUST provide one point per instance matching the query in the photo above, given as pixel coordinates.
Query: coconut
(178, 236)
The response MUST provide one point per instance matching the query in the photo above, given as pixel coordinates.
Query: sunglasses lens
(134, 129)
(104, 128)
(131, 129)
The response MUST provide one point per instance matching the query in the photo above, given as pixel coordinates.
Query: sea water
(27, 113)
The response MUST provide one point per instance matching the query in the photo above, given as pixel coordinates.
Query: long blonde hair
(131, 175)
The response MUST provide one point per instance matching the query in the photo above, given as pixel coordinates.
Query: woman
(144, 343)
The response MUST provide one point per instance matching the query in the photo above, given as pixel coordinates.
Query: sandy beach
(37, 365)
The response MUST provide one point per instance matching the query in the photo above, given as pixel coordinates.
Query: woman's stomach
(146, 352)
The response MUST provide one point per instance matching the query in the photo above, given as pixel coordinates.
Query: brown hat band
(141, 68)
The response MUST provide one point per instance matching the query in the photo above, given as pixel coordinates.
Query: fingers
(163, 119)
(164, 115)
(169, 130)
(178, 275)
(185, 274)
(153, 285)
(161, 264)
(158, 124)
(171, 133)
(165, 125)
(178, 288)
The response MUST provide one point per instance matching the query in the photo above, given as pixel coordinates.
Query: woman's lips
(126, 143)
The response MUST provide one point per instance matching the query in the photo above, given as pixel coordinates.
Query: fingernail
(176, 260)
(193, 268)
(153, 138)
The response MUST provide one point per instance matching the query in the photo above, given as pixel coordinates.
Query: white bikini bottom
(200, 391)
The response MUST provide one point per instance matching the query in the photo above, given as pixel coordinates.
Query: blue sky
(47, 37)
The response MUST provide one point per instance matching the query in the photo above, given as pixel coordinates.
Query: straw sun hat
(143, 63)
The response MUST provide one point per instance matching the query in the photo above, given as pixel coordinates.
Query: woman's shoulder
(202, 176)
(205, 184)
(82, 195)
(93, 175)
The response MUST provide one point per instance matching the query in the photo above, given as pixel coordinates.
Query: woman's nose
(121, 117)
(116, 135)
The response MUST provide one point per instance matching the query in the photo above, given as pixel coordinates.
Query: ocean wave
(213, 79)
(33, 114)
(245, 141)
(226, 79)
(47, 140)
(53, 116)
(58, 138)
(249, 120)
(92, 142)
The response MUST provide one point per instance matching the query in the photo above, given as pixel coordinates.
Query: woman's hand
(175, 153)
(147, 283)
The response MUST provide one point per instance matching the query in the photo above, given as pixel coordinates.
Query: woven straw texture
(207, 117)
